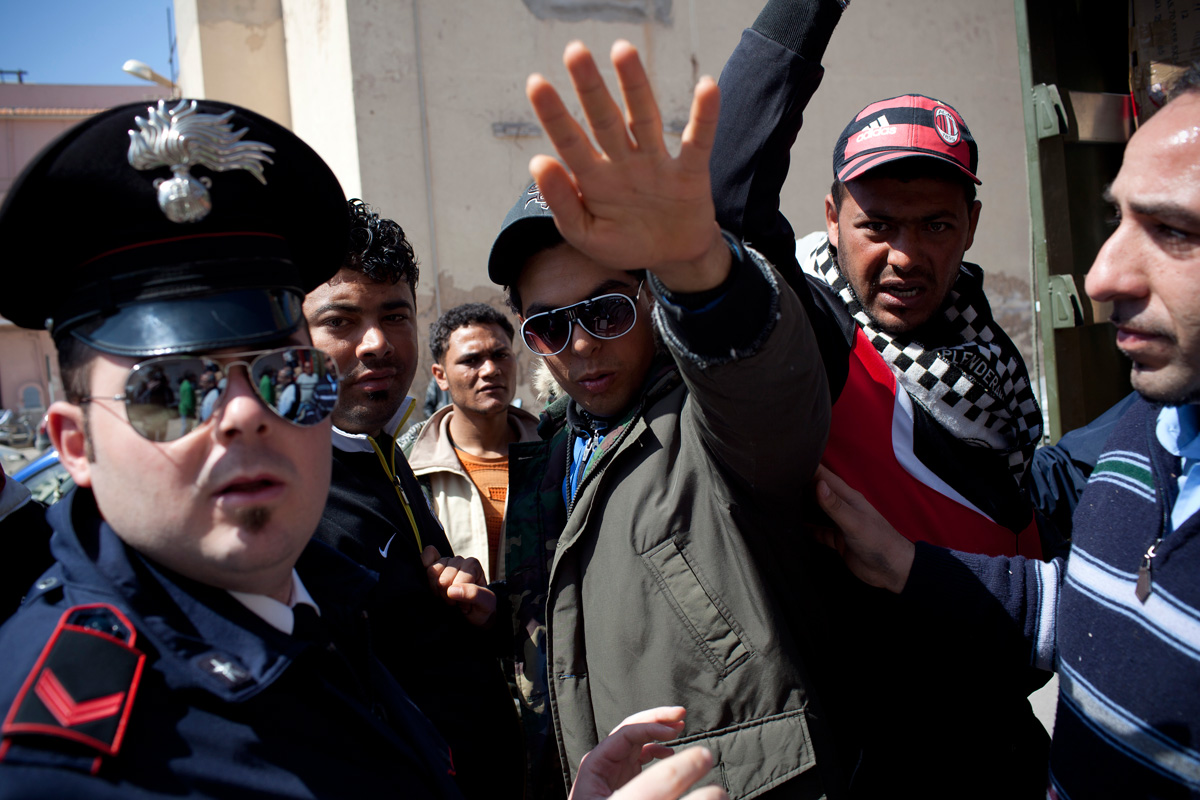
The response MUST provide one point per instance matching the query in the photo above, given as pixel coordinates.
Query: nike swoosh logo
(383, 551)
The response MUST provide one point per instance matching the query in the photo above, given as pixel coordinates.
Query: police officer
(190, 640)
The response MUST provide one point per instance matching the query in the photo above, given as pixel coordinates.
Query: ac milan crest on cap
(904, 127)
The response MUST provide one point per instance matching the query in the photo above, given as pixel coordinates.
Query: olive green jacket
(650, 592)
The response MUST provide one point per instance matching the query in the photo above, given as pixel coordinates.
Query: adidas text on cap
(903, 127)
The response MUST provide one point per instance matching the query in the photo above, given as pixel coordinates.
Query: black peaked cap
(528, 228)
(106, 235)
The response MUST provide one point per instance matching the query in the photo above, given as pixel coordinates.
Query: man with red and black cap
(1119, 620)
(934, 419)
(935, 389)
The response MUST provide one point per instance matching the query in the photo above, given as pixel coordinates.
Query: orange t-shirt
(490, 476)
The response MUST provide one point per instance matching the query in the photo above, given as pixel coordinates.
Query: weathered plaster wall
(419, 106)
(233, 50)
(320, 82)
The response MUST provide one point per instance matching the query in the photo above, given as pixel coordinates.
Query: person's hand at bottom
(614, 767)
(669, 779)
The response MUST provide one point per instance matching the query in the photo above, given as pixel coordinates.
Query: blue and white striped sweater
(1126, 469)
(1128, 720)
(1129, 671)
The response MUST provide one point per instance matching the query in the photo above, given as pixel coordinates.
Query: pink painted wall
(31, 116)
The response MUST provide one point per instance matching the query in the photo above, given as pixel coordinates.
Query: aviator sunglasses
(608, 316)
(153, 389)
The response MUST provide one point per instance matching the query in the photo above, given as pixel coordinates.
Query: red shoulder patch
(83, 685)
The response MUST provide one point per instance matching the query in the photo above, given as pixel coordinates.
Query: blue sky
(82, 41)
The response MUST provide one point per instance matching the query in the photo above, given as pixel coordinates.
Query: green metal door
(1074, 60)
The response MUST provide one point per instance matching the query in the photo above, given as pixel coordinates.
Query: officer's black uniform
(224, 705)
(187, 228)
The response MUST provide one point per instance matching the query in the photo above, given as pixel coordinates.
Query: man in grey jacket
(640, 528)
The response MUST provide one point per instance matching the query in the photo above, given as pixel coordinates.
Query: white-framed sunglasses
(608, 316)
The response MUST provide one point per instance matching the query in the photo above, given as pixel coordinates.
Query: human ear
(831, 220)
(973, 221)
(67, 429)
(439, 375)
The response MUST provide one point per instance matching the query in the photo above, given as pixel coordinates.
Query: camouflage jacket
(650, 591)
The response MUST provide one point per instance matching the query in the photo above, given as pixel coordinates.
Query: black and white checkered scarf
(978, 388)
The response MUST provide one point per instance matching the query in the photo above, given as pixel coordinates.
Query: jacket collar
(433, 449)
(217, 644)
(661, 378)
(361, 442)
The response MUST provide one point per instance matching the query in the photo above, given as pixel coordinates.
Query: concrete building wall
(233, 50)
(389, 118)
(419, 106)
(320, 85)
(189, 52)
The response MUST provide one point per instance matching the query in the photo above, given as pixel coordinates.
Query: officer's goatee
(253, 519)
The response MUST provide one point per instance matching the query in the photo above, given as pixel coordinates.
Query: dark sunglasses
(605, 317)
(154, 390)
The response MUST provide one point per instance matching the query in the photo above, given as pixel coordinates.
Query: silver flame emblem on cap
(182, 137)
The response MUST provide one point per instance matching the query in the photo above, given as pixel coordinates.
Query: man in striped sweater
(1119, 619)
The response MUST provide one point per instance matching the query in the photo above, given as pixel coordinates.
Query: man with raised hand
(637, 525)
(1118, 619)
(933, 415)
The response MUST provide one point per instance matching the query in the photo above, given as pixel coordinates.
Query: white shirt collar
(276, 614)
(360, 442)
(1178, 430)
